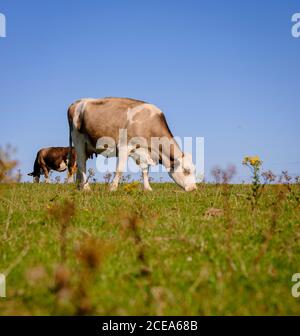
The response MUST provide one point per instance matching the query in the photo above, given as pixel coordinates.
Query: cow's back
(54, 156)
(104, 117)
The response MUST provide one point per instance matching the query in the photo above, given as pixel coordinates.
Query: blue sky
(228, 71)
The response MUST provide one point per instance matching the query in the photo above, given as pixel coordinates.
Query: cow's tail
(70, 141)
(36, 167)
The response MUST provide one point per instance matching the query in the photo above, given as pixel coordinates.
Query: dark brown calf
(54, 158)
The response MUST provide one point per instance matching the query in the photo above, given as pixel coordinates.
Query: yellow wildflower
(130, 187)
(252, 161)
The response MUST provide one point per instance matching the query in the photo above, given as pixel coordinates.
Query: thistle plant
(254, 163)
(7, 164)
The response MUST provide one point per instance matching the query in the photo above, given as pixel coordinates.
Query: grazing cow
(54, 158)
(124, 127)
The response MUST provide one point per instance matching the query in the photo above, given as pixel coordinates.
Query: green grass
(161, 252)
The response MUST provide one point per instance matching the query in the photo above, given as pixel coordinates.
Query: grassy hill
(209, 252)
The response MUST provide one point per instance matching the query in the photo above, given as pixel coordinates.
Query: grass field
(209, 252)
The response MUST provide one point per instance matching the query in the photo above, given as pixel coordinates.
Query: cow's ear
(174, 164)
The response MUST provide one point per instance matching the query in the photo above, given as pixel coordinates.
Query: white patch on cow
(151, 110)
(154, 110)
(142, 156)
(131, 112)
(79, 110)
(77, 113)
(62, 167)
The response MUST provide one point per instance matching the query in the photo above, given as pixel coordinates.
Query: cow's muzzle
(190, 187)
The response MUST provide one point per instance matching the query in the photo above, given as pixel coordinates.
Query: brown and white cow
(124, 127)
(54, 158)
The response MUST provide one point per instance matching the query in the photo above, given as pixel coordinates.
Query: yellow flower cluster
(130, 187)
(253, 161)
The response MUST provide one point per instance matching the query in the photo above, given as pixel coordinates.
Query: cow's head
(183, 172)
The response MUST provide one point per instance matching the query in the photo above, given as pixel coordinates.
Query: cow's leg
(79, 144)
(121, 163)
(146, 179)
(81, 177)
(70, 177)
(46, 173)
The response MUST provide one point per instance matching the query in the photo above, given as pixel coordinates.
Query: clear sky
(225, 70)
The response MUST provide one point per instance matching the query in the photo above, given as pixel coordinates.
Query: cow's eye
(186, 171)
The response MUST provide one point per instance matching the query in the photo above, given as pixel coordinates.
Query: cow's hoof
(86, 187)
(113, 187)
(148, 189)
